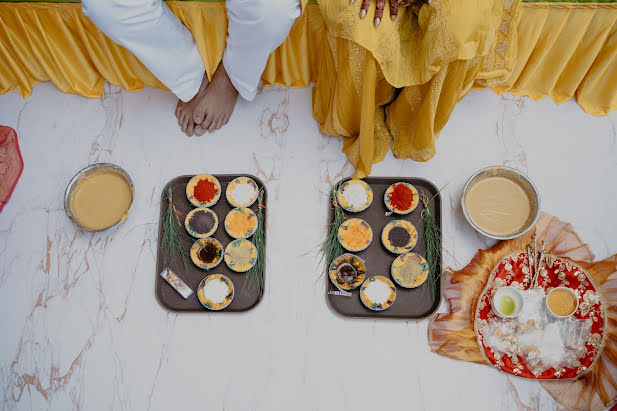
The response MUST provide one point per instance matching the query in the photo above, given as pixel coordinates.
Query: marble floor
(83, 330)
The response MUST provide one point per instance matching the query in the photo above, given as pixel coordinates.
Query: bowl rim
(571, 292)
(71, 186)
(494, 236)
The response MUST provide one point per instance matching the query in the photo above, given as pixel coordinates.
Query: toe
(212, 125)
(185, 122)
(207, 122)
(199, 113)
(189, 129)
(199, 130)
(220, 122)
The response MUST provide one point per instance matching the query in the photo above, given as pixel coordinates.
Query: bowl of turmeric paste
(99, 197)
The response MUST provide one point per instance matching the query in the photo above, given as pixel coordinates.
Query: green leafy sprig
(331, 247)
(432, 242)
(172, 234)
(255, 276)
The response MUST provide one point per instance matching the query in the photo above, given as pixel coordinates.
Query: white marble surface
(82, 329)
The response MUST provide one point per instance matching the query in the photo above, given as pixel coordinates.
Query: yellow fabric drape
(567, 51)
(452, 334)
(435, 54)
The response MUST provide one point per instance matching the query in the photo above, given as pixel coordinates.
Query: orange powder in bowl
(561, 302)
(240, 223)
(356, 236)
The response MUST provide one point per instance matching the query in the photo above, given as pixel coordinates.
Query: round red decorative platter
(514, 270)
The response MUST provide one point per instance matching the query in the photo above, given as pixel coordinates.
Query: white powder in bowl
(356, 195)
(216, 291)
(243, 193)
(377, 291)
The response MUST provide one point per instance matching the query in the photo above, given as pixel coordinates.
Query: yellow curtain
(433, 54)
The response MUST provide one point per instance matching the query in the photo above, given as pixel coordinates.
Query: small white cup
(511, 292)
(571, 292)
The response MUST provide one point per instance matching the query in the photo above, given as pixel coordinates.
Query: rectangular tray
(416, 303)
(245, 298)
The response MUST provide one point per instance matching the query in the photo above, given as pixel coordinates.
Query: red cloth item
(11, 163)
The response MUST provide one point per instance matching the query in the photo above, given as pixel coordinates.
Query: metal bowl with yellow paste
(399, 236)
(99, 197)
(241, 222)
(356, 267)
(355, 234)
(215, 292)
(207, 183)
(240, 255)
(409, 270)
(207, 253)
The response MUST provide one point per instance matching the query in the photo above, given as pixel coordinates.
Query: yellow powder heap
(410, 271)
(561, 302)
(239, 224)
(240, 255)
(356, 236)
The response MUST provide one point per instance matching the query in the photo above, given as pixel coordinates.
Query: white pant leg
(156, 36)
(255, 29)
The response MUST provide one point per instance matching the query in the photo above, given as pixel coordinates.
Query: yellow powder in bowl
(241, 222)
(356, 236)
(561, 302)
(241, 255)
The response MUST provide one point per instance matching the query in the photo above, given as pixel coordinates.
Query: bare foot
(215, 107)
(184, 111)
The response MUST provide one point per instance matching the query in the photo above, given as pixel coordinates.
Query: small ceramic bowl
(387, 199)
(215, 280)
(235, 265)
(241, 212)
(190, 190)
(359, 224)
(192, 230)
(242, 182)
(356, 262)
(399, 225)
(354, 184)
(409, 258)
(571, 293)
(201, 243)
(522, 180)
(377, 305)
(511, 292)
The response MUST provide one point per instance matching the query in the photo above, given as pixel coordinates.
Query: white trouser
(166, 47)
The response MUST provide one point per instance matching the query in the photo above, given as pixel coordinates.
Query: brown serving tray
(245, 298)
(416, 303)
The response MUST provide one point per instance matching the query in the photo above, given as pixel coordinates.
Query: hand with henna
(381, 4)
